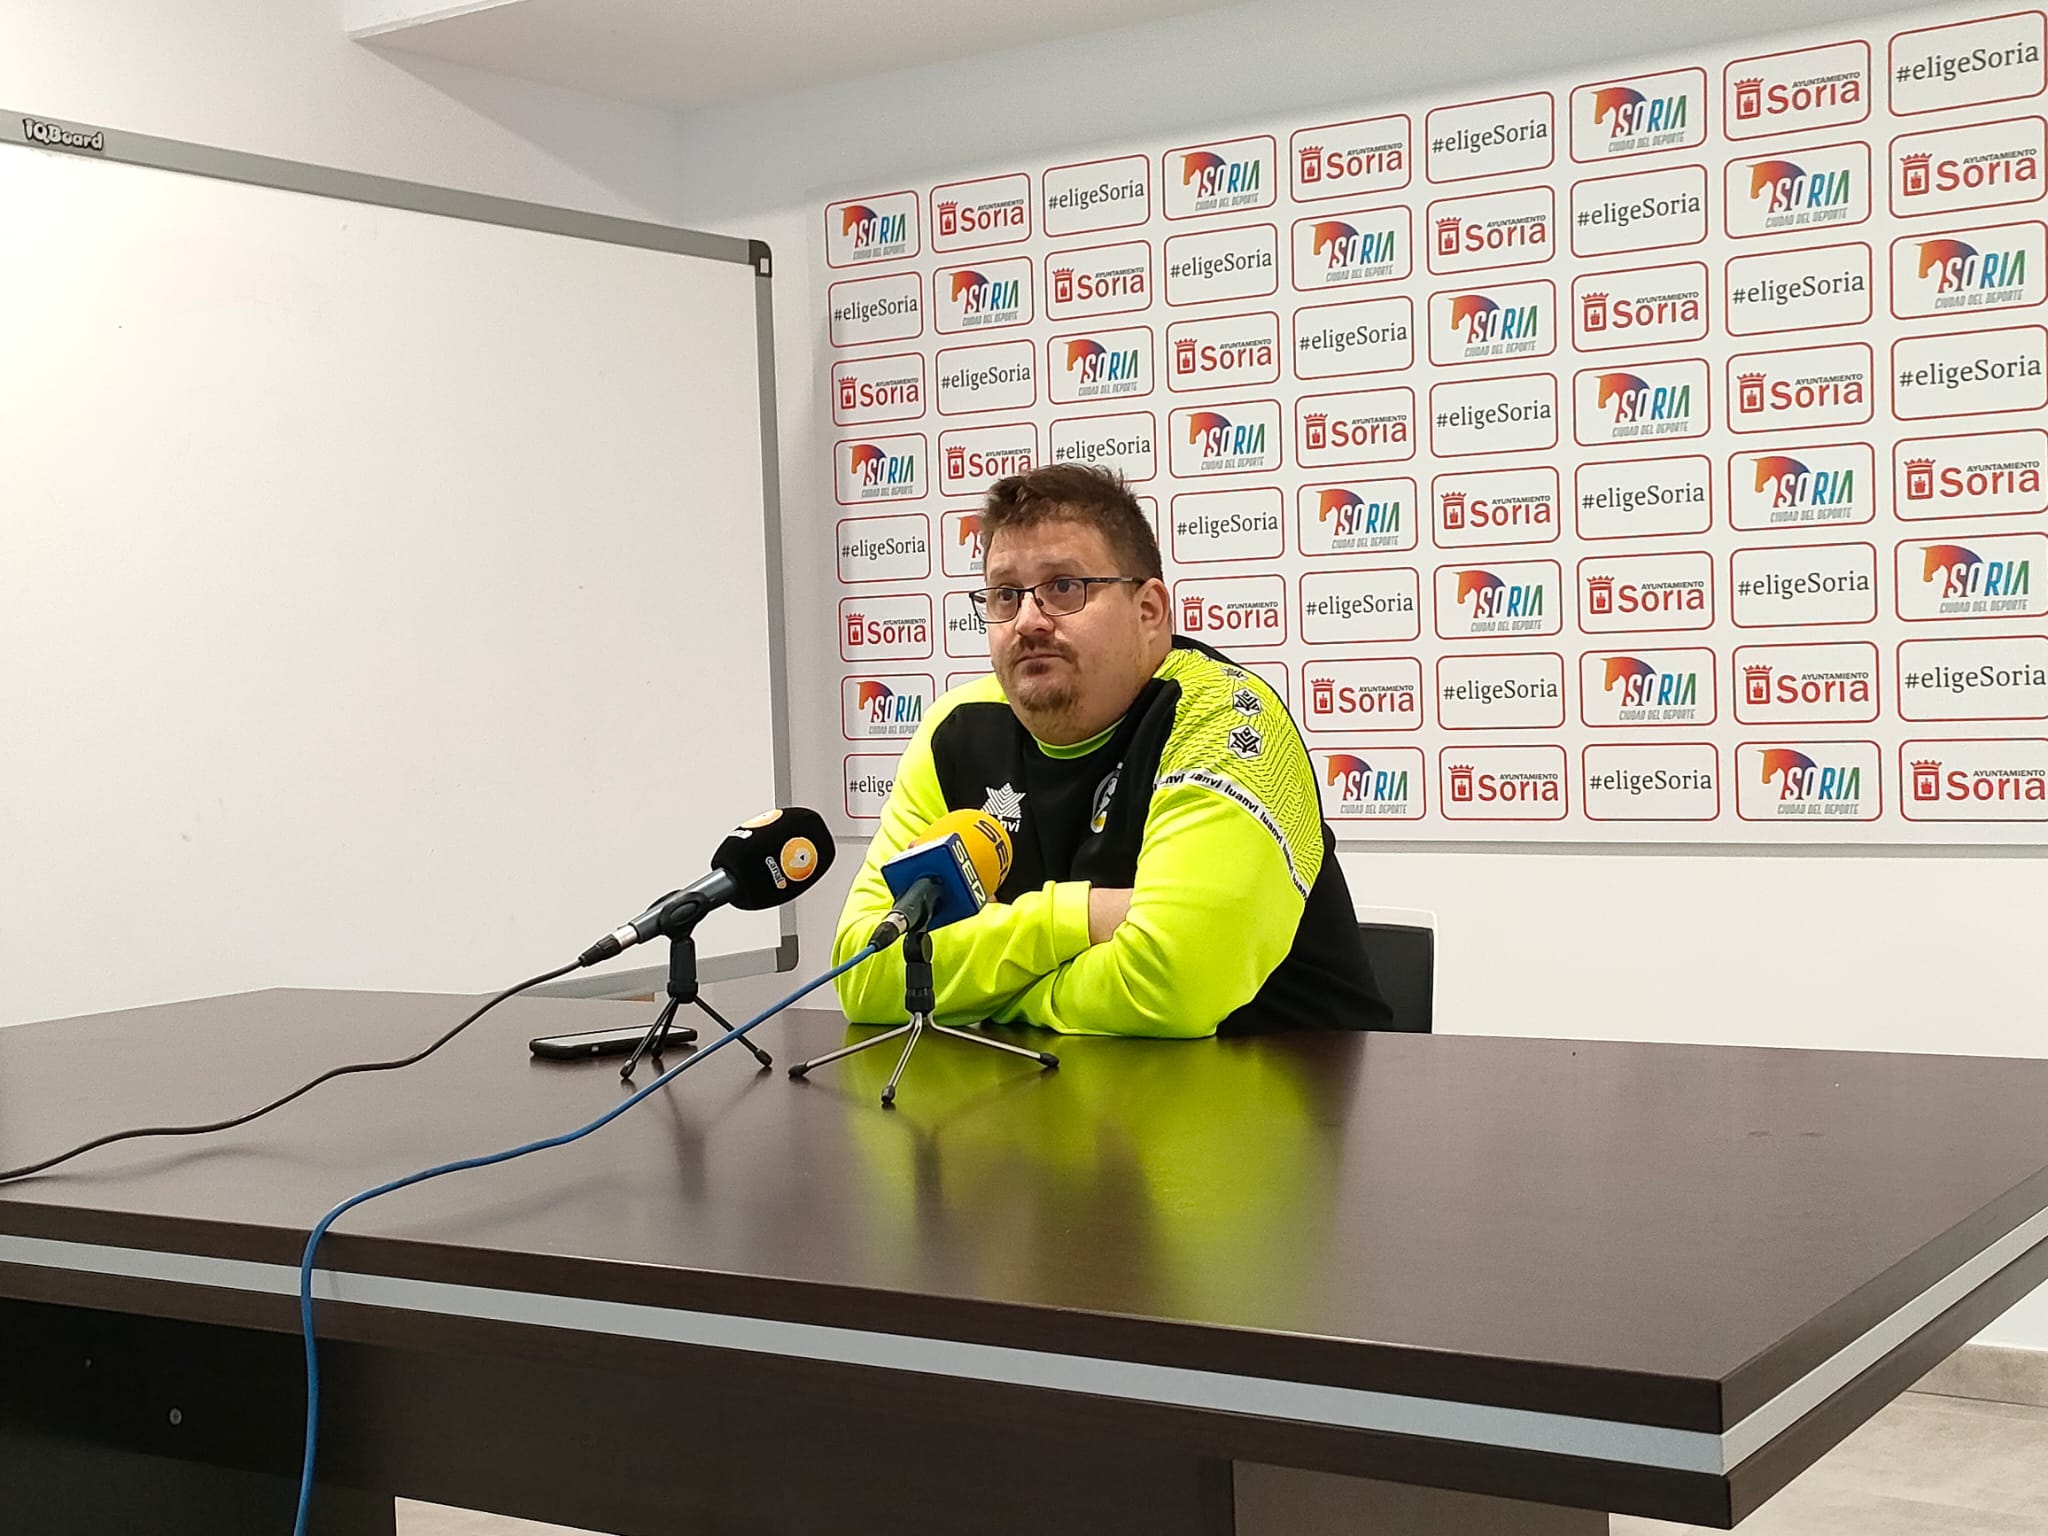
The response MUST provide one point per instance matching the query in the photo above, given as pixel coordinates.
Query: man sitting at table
(1172, 871)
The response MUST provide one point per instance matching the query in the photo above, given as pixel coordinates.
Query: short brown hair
(1075, 493)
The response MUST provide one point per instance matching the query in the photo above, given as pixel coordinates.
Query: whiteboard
(389, 594)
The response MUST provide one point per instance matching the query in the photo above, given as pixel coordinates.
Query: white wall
(278, 77)
(1859, 952)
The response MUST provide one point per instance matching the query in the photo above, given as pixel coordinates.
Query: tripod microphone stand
(679, 928)
(919, 1002)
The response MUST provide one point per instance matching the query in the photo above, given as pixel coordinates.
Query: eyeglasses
(1056, 598)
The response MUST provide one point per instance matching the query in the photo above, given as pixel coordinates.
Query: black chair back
(1404, 964)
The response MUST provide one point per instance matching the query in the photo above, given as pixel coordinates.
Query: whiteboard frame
(96, 142)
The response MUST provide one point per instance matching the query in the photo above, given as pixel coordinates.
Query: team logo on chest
(1098, 816)
(1006, 805)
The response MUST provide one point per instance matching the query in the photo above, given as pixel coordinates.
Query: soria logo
(1818, 187)
(1984, 165)
(1640, 115)
(1974, 268)
(1497, 229)
(1346, 159)
(1647, 687)
(1383, 694)
(1225, 352)
(1641, 306)
(1806, 684)
(869, 229)
(1356, 517)
(1802, 387)
(1502, 783)
(1987, 576)
(1807, 781)
(1974, 780)
(1225, 177)
(879, 469)
(1802, 487)
(1978, 474)
(1777, 93)
(1372, 784)
(994, 210)
(1490, 321)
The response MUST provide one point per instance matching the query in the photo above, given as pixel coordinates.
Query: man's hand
(1106, 908)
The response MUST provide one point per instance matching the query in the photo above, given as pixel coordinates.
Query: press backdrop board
(1645, 455)
(388, 587)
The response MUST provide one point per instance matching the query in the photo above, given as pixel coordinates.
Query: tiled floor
(1926, 1466)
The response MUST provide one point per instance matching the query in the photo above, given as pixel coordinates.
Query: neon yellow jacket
(1206, 808)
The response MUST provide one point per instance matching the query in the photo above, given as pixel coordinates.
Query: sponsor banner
(1095, 280)
(1639, 211)
(1502, 784)
(1363, 426)
(1276, 678)
(1500, 690)
(1639, 115)
(880, 468)
(1496, 506)
(1810, 289)
(863, 230)
(1227, 176)
(1356, 517)
(1814, 188)
(1805, 486)
(1362, 336)
(1638, 686)
(989, 295)
(1811, 782)
(1801, 388)
(1360, 607)
(865, 310)
(884, 706)
(1787, 587)
(1639, 402)
(1656, 781)
(893, 626)
(1220, 264)
(1825, 684)
(1512, 414)
(1642, 594)
(870, 389)
(1356, 159)
(1644, 498)
(1974, 474)
(1978, 780)
(966, 631)
(1969, 269)
(1376, 783)
(1796, 89)
(1342, 250)
(1973, 576)
(1640, 306)
(1232, 612)
(897, 548)
(1967, 64)
(1516, 228)
(990, 210)
(869, 778)
(2000, 678)
(1976, 165)
(1108, 363)
(1227, 525)
(1971, 372)
(973, 458)
(1094, 195)
(1224, 352)
(1366, 693)
(1002, 376)
(1234, 437)
(1498, 600)
(960, 550)
(1492, 322)
(1127, 443)
(1490, 138)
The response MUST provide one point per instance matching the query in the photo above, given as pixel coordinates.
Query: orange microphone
(949, 874)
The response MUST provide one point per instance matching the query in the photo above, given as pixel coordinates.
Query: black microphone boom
(768, 861)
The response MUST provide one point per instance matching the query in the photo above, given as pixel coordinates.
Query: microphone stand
(679, 928)
(919, 1001)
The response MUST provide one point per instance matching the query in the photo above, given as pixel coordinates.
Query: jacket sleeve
(1233, 842)
(980, 965)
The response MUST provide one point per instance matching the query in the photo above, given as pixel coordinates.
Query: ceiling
(683, 54)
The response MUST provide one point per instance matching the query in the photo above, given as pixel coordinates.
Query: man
(1173, 874)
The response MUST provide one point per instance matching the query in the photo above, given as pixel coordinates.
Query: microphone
(949, 875)
(763, 863)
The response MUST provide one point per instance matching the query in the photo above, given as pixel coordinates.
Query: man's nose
(1031, 617)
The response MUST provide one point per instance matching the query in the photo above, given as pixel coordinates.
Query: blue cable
(320, 1231)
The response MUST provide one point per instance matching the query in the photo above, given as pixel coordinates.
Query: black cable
(227, 1125)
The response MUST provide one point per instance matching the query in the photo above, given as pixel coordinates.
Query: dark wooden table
(1316, 1282)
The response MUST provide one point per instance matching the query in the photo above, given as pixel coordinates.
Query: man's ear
(1155, 606)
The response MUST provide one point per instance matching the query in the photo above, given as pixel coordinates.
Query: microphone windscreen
(986, 840)
(775, 857)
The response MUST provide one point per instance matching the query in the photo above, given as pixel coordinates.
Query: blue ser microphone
(949, 875)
